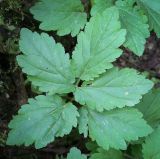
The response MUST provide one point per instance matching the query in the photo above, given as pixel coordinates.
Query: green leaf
(152, 10)
(110, 154)
(100, 5)
(111, 129)
(151, 148)
(150, 107)
(98, 45)
(115, 88)
(131, 20)
(45, 62)
(75, 154)
(40, 121)
(64, 16)
(137, 29)
(83, 122)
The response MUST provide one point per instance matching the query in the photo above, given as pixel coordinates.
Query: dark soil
(15, 90)
(150, 61)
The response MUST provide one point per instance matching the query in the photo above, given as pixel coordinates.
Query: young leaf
(137, 29)
(150, 107)
(40, 121)
(110, 154)
(112, 128)
(45, 62)
(75, 154)
(151, 148)
(115, 88)
(98, 45)
(152, 10)
(100, 5)
(64, 16)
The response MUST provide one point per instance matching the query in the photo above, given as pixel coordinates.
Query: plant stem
(77, 83)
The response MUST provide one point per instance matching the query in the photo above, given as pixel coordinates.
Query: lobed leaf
(40, 121)
(64, 16)
(111, 129)
(131, 20)
(115, 88)
(45, 62)
(98, 45)
(137, 28)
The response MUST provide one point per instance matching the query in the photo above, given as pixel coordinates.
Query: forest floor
(15, 89)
